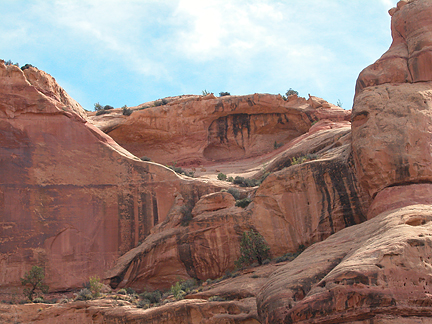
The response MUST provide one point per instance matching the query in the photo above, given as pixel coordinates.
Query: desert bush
(177, 291)
(153, 297)
(291, 92)
(234, 192)
(304, 158)
(187, 285)
(35, 279)
(98, 106)
(205, 93)
(252, 248)
(221, 176)
(95, 286)
(122, 292)
(224, 93)
(216, 298)
(84, 294)
(26, 66)
(145, 158)
(126, 111)
(230, 179)
(242, 182)
(243, 203)
(266, 261)
(102, 112)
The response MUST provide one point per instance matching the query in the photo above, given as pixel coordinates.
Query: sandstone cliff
(200, 129)
(71, 199)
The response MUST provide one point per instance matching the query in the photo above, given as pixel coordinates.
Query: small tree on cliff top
(34, 280)
(252, 248)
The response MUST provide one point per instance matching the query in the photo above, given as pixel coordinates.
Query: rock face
(380, 267)
(409, 57)
(197, 130)
(71, 199)
(378, 271)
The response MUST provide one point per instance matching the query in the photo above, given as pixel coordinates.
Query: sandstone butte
(79, 202)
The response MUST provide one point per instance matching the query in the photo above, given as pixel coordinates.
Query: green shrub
(234, 192)
(266, 261)
(304, 158)
(102, 112)
(130, 291)
(205, 93)
(221, 176)
(216, 298)
(153, 297)
(126, 111)
(187, 285)
(177, 291)
(95, 286)
(291, 92)
(252, 248)
(84, 294)
(230, 179)
(242, 182)
(26, 66)
(181, 171)
(35, 279)
(122, 292)
(243, 203)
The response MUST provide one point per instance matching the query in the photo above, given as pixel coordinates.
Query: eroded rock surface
(409, 57)
(197, 130)
(382, 266)
(71, 199)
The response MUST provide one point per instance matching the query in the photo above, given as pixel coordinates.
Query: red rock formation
(409, 57)
(366, 272)
(71, 199)
(378, 271)
(196, 130)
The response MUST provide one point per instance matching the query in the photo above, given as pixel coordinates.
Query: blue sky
(126, 52)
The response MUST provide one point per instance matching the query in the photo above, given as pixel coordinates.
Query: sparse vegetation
(34, 282)
(84, 294)
(243, 203)
(26, 66)
(221, 176)
(252, 248)
(234, 192)
(339, 103)
(146, 158)
(179, 170)
(216, 298)
(126, 111)
(153, 297)
(9, 62)
(223, 93)
(95, 286)
(177, 291)
(304, 158)
(205, 93)
(291, 92)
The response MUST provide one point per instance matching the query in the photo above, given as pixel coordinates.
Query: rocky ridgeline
(80, 203)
